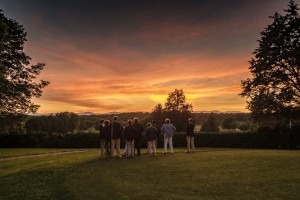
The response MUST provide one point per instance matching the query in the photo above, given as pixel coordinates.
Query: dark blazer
(106, 133)
(101, 131)
(117, 130)
(190, 130)
(151, 133)
(139, 128)
(130, 132)
(158, 129)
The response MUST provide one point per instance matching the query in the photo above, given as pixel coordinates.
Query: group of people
(111, 133)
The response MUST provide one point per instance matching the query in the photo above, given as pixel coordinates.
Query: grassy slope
(208, 174)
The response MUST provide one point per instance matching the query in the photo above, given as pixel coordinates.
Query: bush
(265, 137)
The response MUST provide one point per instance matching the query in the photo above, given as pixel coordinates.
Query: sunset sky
(126, 56)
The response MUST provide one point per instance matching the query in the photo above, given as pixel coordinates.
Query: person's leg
(118, 147)
(138, 146)
(188, 143)
(125, 148)
(112, 149)
(171, 144)
(154, 147)
(132, 148)
(149, 147)
(102, 144)
(105, 146)
(193, 143)
(128, 148)
(108, 148)
(148, 152)
(165, 143)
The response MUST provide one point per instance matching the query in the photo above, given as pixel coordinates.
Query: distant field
(206, 174)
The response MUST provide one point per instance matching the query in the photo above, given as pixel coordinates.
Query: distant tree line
(68, 122)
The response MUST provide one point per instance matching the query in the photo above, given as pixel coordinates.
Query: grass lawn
(206, 174)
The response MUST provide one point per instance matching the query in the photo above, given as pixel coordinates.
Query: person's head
(136, 120)
(167, 121)
(101, 121)
(129, 122)
(153, 122)
(106, 122)
(149, 124)
(191, 120)
(115, 118)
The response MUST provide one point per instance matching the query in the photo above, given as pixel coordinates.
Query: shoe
(165, 153)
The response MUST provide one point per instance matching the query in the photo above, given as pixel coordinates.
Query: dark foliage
(210, 125)
(17, 85)
(176, 109)
(60, 123)
(274, 90)
(265, 137)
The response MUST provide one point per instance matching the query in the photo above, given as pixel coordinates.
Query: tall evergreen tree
(274, 89)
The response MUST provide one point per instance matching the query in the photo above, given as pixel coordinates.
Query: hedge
(263, 138)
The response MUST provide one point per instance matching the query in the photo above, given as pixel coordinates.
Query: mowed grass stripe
(14, 152)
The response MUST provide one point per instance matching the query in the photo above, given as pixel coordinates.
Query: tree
(62, 122)
(176, 109)
(210, 125)
(17, 77)
(245, 126)
(229, 123)
(157, 114)
(176, 101)
(274, 89)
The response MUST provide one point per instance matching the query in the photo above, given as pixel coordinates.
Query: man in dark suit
(138, 138)
(116, 132)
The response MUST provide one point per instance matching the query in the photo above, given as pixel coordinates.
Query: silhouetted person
(138, 138)
(168, 130)
(102, 140)
(107, 136)
(129, 133)
(158, 131)
(116, 132)
(151, 136)
(190, 136)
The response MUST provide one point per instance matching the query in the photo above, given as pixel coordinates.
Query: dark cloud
(152, 27)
